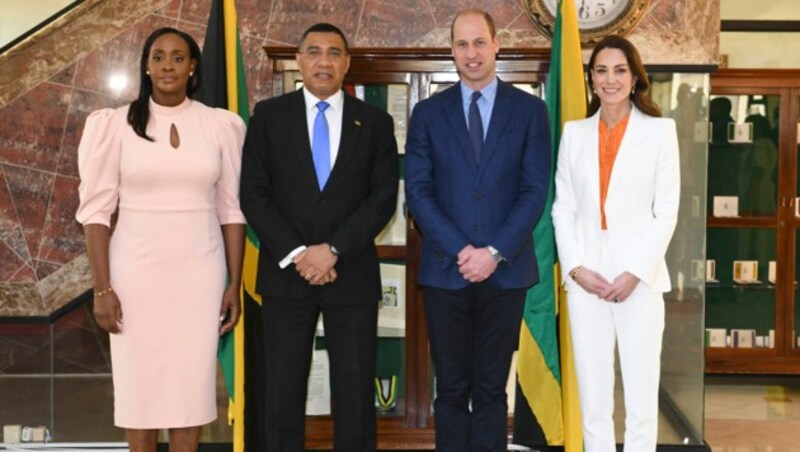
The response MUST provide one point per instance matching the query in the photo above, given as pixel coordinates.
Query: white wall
(761, 49)
(760, 9)
(17, 17)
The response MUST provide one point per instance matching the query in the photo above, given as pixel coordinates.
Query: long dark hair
(139, 111)
(639, 97)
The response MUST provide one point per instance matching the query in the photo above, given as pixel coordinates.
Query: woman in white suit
(615, 209)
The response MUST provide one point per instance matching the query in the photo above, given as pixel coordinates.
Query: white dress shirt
(334, 117)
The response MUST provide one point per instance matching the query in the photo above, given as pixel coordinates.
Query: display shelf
(763, 174)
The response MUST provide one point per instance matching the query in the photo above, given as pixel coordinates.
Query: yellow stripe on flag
(250, 269)
(573, 90)
(542, 383)
(229, 15)
(573, 106)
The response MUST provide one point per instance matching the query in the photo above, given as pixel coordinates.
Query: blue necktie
(321, 147)
(475, 126)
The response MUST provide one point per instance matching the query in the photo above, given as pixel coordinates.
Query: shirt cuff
(290, 257)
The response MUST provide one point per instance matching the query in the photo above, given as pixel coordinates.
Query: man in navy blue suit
(477, 172)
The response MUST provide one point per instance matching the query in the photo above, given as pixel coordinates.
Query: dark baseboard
(227, 447)
(204, 447)
(661, 448)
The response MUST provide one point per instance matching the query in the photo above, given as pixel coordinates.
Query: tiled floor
(759, 416)
(742, 414)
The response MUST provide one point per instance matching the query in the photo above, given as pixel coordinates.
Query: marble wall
(50, 83)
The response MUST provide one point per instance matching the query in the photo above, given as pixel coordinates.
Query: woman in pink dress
(170, 167)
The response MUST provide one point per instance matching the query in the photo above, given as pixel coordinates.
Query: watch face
(596, 18)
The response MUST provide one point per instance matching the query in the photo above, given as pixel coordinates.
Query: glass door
(747, 235)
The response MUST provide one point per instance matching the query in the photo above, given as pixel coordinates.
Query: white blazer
(641, 204)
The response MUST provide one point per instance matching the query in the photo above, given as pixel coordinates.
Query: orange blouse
(610, 141)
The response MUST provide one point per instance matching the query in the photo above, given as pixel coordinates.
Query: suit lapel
(352, 122)
(454, 110)
(591, 149)
(627, 149)
(298, 131)
(501, 113)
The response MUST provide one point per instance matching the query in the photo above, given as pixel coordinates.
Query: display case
(396, 79)
(752, 296)
(55, 376)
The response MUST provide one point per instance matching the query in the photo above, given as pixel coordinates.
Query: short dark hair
(323, 27)
(477, 11)
(639, 97)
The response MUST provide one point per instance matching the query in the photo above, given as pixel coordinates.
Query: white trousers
(636, 326)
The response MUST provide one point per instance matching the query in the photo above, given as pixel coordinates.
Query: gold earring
(147, 72)
(191, 74)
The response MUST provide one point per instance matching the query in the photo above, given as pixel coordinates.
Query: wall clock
(596, 18)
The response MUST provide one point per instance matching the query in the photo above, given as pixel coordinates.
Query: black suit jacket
(283, 204)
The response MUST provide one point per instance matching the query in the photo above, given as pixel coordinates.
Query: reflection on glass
(391, 98)
(684, 98)
(26, 373)
(743, 152)
(797, 200)
(796, 321)
(744, 305)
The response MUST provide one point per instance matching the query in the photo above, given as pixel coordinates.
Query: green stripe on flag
(547, 375)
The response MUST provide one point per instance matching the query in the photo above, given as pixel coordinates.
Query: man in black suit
(319, 182)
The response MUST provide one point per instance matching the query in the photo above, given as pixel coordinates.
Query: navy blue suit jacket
(457, 201)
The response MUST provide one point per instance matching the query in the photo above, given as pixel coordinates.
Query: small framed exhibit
(745, 272)
(711, 271)
(772, 271)
(716, 337)
(392, 308)
(726, 206)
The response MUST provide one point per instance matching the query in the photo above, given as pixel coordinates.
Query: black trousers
(473, 333)
(350, 336)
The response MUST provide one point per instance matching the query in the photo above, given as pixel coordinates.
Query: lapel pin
(357, 123)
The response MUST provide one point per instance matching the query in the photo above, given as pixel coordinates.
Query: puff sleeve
(231, 130)
(98, 166)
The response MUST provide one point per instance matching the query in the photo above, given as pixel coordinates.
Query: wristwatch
(495, 254)
(334, 251)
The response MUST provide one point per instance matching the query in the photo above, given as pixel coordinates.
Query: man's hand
(476, 264)
(324, 279)
(315, 263)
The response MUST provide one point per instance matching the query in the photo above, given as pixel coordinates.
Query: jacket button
(478, 196)
(476, 227)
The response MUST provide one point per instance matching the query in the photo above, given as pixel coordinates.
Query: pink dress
(167, 256)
